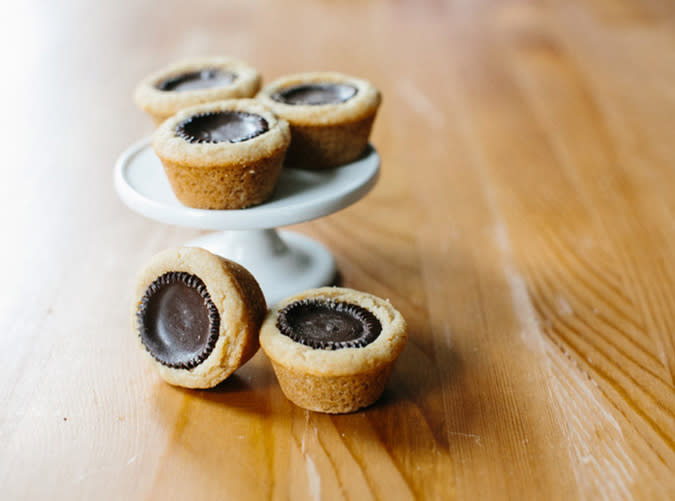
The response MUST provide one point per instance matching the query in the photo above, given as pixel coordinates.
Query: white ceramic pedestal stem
(284, 263)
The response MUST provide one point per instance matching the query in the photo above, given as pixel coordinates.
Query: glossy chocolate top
(315, 94)
(328, 325)
(222, 126)
(193, 80)
(177, 321)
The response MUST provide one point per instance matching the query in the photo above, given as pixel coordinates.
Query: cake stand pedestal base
(284, 263)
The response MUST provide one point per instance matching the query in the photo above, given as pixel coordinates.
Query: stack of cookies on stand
(223, 142)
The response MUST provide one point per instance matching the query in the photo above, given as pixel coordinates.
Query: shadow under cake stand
(283, 262)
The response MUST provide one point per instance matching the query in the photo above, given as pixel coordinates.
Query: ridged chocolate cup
(324, 135)
(236, 298)
(162, 104)
(223, 175)
(335, 381)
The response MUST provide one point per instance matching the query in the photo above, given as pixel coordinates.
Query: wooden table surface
(524, 224)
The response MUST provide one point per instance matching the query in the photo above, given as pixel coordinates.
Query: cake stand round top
(300, 195)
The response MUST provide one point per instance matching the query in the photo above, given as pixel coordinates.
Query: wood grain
(523, 224)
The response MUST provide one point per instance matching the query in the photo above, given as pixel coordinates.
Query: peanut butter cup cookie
(223, 155)
(197, 316)
(195, 81)
(332, 348)
(330, 114)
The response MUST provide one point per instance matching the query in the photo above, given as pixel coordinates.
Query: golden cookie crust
(160, 104)
(223, 175)
(240, 303)
(364, 104)
(326, 135)
(335, 381)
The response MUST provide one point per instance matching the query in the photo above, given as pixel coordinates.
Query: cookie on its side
(223, 155)
(195, 81)
(332, 348)
(197, 316)
(331, 116)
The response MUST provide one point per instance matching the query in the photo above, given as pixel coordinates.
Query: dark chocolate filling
(221, 126)
(204, 79)
(328, 325)
(177, 321)
(315, 94)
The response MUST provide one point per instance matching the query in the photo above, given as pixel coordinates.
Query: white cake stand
(284, 263)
